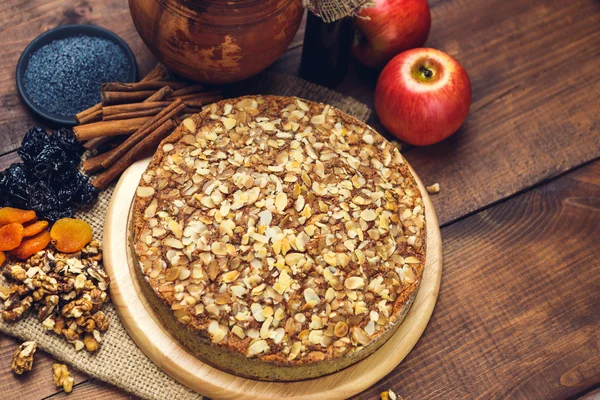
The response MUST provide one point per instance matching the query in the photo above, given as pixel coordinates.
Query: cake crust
(278, 238)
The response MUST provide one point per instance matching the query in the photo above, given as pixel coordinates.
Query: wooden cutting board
(149, 334)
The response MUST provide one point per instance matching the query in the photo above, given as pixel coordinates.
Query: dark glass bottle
(326, 50)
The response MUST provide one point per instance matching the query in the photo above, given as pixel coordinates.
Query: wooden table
(518, 314)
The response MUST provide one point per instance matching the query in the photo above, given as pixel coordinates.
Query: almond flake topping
(280, 226)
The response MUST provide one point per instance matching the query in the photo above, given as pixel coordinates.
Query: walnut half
(23, 357)
(62, 377)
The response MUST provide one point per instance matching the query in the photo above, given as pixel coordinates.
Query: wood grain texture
(154, 340)
(532, 118)
(34, 384)
(535, 111)
(93, 389)
(519, 308)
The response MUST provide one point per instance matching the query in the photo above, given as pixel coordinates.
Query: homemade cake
(278, 238)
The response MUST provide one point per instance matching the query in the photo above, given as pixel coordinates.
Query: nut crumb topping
(282, 230)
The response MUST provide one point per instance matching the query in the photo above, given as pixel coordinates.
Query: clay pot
(217, 41)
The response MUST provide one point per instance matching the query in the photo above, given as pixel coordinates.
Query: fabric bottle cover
(332, 10)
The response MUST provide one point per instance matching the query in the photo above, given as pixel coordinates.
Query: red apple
(423, 96)
(390, 28)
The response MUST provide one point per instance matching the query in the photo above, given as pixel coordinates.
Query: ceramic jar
(217, 41)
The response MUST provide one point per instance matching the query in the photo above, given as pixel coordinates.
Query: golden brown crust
(283, 233)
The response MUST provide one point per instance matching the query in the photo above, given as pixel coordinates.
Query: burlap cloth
(332, 10)
(119, 361)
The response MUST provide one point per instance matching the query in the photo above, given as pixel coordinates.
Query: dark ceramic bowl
(58, 33)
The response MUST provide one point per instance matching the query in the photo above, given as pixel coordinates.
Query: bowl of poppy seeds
(60, 72)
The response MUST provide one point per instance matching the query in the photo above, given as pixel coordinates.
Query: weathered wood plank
(535, 112)
(532, 118)
(518, 314)
(94, 390)
(34, 384)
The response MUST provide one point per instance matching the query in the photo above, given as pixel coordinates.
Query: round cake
(277, 238)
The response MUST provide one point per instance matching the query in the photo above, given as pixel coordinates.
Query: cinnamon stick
(158, 73)
(89, 118)
(203, 95)
(173, 110)
(88, 112)
(109, 128)
(188, 90)
(95, 163)
(193, 110)
(134, 114)
(199, 102)
(147, 144)
(160, 94)
(110, 98)
(140, 86)
(198, 95)
(125, 108)
(97, 142)
(116, 97)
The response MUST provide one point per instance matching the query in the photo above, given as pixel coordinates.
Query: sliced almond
(354, 282)
(258, 347)
(145, 191)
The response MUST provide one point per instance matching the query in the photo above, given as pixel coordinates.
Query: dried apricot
(34, 228)
(10, 236)
(8, 215)
(32, 245)
(2, 258)
(70, 234)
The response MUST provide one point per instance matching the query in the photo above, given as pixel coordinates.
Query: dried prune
(67, 187)
(13, 186)
(52, 159)
(65, 139)
(42, 198)
(33, 143)
(55, 215)
(37, 141)
(48, 181)
(86, 194)
(76, 187)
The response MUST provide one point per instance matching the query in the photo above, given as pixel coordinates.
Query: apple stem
(427, 73)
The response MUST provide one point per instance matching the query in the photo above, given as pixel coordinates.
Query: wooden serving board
(149, 334)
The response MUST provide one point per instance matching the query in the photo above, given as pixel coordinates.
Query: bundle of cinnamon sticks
(144, 113)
